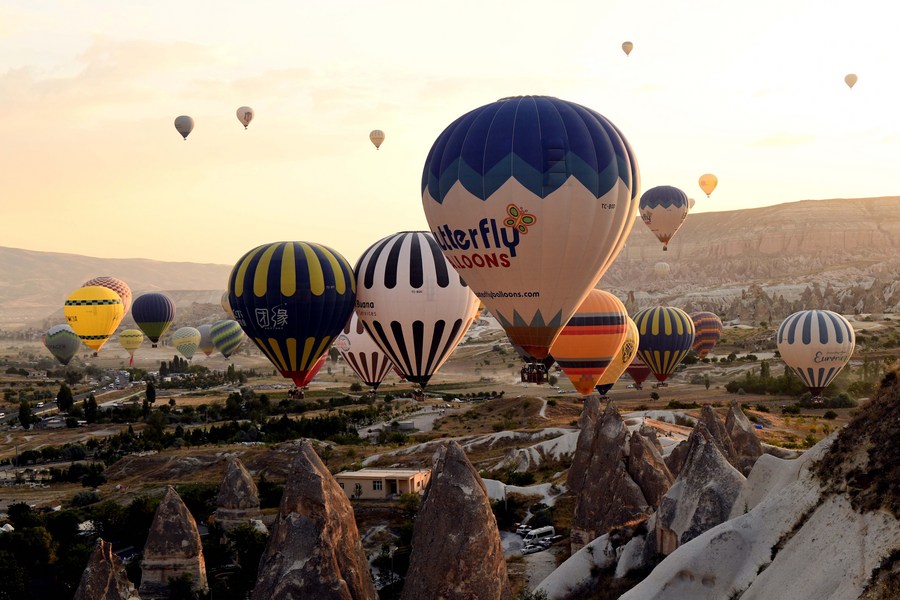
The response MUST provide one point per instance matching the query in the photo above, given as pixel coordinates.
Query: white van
(539, 534)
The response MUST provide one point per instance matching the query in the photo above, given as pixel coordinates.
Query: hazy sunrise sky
(91, 162)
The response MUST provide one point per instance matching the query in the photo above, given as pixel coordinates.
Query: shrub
(84, 499)
(830, 415)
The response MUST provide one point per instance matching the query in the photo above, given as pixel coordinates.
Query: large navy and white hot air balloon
(663, 209)
(412, 302)
(531, 198)
(362, 353)
(816, 345)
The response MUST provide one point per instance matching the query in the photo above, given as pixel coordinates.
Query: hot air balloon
(534, 371)
(184, 125)
(412, 303)
(186, 340)
(591, 339)
(707, 331)
(62, 342)
(664, 208)
(621, 360)
(131, 340)
(245, 115)
(227, 336)
(153, 313)
(667, 334)
(708, 183)
(292, 299)
(206, 346)
(363, 354)
(116, 285)
(816, 344)
(662, 269)
(530, 199)
(638, 371)
(850, 79)
(376, 137)
(93, 313)
(627, 47)
(226, 306)
(691, 203)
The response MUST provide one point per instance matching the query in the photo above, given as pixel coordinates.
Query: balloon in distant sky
(691, 203)
(62, 342)
(227, 336)
(627, 47)
(376, 137)
(131, 340)
(184, 125)
(362, 353)
(621, 360)
(816, 345)
(591, 339)
(207, 346)
(245, 115)
(707, 331)
(186, 340)
(292, 299)
(667, 334)
(153, 313)
(850, 80)
(708, 183)
(93, 313)
(226, 306)
(662, 269)
(116, 285)
(412, 302)
(531, 198)
(664, 208)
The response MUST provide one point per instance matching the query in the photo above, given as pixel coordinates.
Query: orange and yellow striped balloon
(591, 339)
(93, 312)
(622, 359)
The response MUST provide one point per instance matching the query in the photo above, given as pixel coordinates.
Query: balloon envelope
(186, 340)
(662, 269)
(362, 353)
(412, 303)
(226, 306)
(816, 345)
(116, 285)
(244, 115)
(707, 331)
(638, 371)
(292, 299)
(184, 125)
(621, 360)
(531, 198)
(207, 346)
(227, 336)
(663, 209)
(591, 339)
(93, 313)
(708, 183)
(153, 313)
(666, 336)
(627, 47)
(850, 79)
(376, 137)
(62, 342)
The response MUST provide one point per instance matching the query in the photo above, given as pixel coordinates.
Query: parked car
(523, 529)
(532, 548)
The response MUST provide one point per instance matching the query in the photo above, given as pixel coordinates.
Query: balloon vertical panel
(531, 199)
(292, 299)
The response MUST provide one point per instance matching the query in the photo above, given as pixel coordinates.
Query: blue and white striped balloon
(816, 344)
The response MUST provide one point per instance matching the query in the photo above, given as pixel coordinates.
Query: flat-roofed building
(379, 484)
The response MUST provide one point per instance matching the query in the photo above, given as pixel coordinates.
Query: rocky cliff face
(747, 446)
(456, 548)
(173, 549)
(314, 550)
(104, 577)
(238, 499)
(590, 414)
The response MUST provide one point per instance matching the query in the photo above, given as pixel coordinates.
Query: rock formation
(716, 432)
(238, 499)
(702, 495)
(648, 469)
(173, 549)
(747, 446)
(590, 414)
(608, 496)
(105, 578)
(314, 550)
(456, 548)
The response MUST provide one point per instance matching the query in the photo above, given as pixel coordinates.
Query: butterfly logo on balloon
(519, 218)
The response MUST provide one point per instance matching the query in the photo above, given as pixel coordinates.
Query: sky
(91, 163)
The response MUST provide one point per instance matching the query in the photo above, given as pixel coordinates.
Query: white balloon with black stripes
(816, 345)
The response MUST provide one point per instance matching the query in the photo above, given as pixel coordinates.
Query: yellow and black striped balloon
(93, 312)
(666, 336)
(292, 299)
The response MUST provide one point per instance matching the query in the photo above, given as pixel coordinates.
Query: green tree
(90, 409)
(764, 370)
(151, 392)
(25, 416)
(64, 398)
(706, 381)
